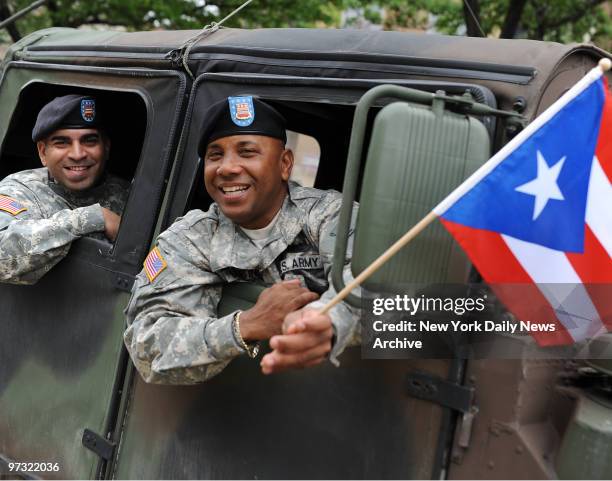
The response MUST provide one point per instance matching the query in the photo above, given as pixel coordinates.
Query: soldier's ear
(286, 164)
(41, 146)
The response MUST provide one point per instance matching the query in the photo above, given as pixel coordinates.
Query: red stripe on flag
(489, 253)
(508, 280)
(593, 266)
(604, 143)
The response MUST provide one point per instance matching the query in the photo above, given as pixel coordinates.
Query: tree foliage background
(557, 20)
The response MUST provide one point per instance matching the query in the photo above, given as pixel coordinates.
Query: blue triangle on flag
(495, 204)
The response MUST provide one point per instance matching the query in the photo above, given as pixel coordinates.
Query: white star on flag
(544, 187)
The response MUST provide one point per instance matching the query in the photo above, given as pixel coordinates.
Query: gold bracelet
(253, 349)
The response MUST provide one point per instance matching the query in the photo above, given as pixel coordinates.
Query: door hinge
(449, 395)
(99, 445)
(431, 388)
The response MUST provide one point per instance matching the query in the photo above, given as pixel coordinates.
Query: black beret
(67, 112)
(241, 116)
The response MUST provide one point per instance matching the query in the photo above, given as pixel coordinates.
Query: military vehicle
(71, 402)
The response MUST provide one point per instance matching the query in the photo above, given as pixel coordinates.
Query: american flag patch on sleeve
(10, 205)
(154, 264)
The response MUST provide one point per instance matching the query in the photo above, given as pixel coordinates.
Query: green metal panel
(352, 422)
(416, 157)
(61, 339)
(59, 368)
(587, 444)
(60, 347)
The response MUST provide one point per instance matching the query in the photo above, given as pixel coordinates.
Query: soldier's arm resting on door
(31, 245)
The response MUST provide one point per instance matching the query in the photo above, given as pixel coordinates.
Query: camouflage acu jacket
(174, 335)
(39, 219)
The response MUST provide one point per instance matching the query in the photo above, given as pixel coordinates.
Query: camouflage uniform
(33, 241)
(173, 334)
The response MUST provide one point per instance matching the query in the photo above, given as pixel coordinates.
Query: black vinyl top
(510, 68)
(294, 43)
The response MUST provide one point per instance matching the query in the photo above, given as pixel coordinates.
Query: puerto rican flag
(536, 219)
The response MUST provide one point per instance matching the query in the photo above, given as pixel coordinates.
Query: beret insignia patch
(10, 205)
(88, 110)
(154, 264)
(242, 110)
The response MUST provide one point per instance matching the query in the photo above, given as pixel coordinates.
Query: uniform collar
(79, 198)
(230, 247)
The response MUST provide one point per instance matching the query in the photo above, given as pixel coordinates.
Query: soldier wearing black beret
(262, 228)
(42, 211)
(241, 116)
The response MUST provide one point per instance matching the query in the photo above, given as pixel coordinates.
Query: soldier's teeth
(227, 190)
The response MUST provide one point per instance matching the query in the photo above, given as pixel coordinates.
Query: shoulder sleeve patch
(10, 205)
(154, 264)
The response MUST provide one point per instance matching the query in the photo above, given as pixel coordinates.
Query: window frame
(211, 87)
(164, 113)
